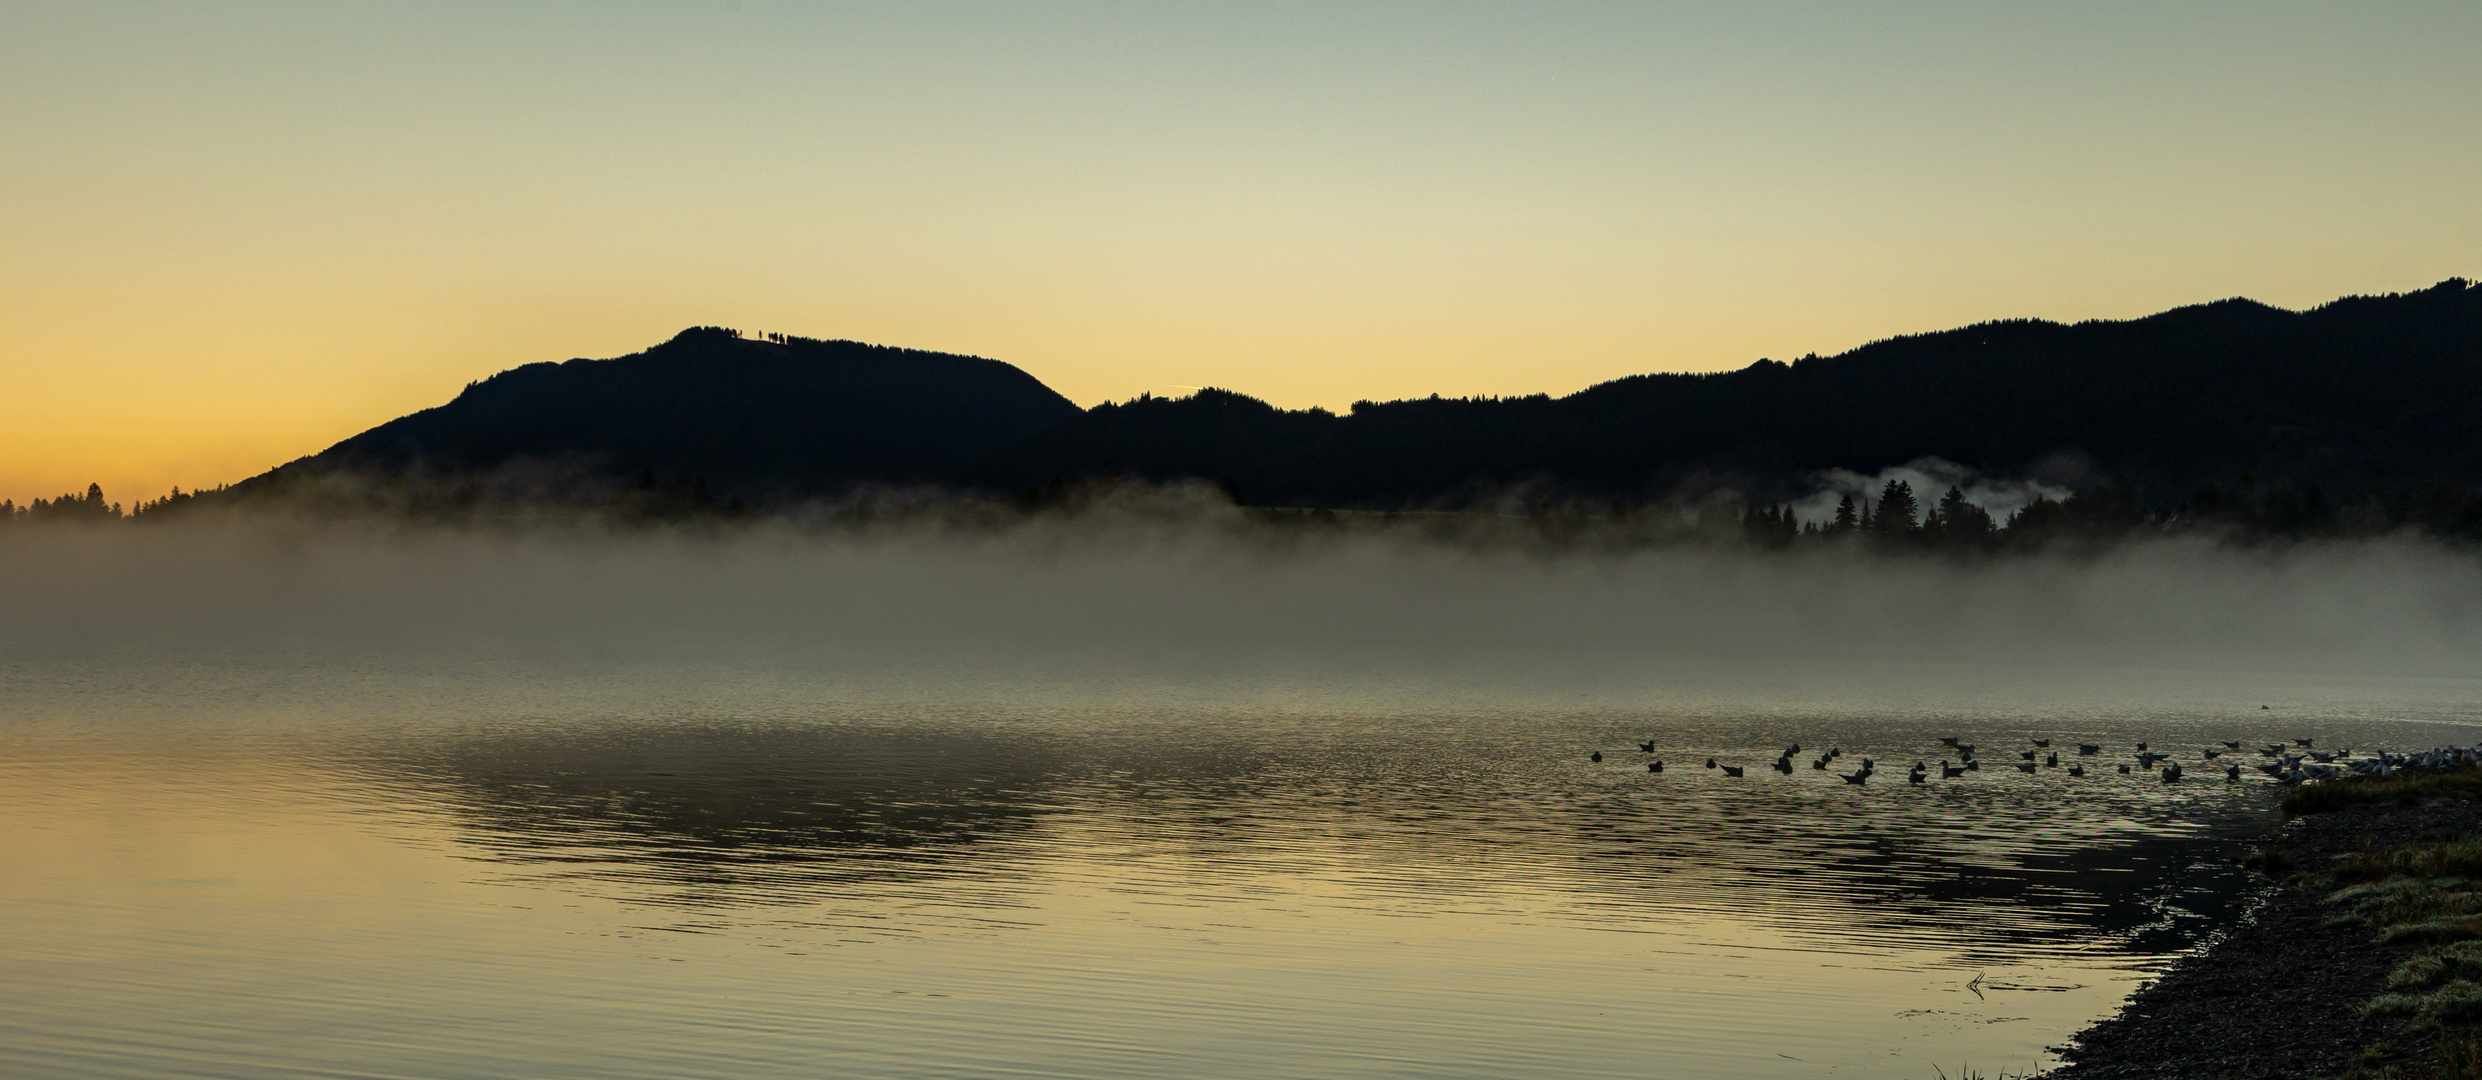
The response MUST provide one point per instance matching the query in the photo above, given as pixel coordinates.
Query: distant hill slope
(2364, 390)
(773, 418)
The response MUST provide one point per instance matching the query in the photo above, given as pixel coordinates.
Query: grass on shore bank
(2442, 985)
(2424, 887)
(2429, 892)
(2446, 856)
(2452, 1059)
(2333, 795)
(2425, 890)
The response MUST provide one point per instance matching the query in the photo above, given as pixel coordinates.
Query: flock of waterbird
(2287, 764)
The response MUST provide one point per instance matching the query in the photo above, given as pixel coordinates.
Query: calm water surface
(214, 874)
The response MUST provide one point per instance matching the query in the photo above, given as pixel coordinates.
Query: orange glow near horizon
(234, 238)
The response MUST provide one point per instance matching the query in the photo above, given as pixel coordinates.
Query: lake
(336, 837)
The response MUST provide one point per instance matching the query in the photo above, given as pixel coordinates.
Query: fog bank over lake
(1149, 604)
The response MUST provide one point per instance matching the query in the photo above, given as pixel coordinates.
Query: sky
(233, 234)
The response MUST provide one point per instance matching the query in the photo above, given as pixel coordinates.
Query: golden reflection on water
(1189, 897)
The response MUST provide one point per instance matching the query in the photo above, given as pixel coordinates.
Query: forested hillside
(2363, 391)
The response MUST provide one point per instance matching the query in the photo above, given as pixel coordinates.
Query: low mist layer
(1209, 602)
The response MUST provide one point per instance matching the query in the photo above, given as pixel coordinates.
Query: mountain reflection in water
(782, 885)
(731, 815)
(1987, 869)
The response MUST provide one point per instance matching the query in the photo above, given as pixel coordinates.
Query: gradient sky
(231, 234)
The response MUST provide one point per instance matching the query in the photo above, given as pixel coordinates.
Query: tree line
(92, 506)
(399, 495)
(2243, 510)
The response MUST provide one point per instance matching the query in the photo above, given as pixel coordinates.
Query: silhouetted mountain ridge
(782, 417)
(2363, 391)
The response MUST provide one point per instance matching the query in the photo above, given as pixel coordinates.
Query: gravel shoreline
(2277, 995)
